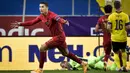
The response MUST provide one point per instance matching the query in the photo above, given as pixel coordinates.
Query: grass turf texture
(65, 71)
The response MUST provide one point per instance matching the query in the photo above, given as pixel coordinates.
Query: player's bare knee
(43, 48)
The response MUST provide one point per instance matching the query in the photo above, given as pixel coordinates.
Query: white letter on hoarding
(92, 31)
(26, 32)
(2, 31)
(35, 31)
(19, 30)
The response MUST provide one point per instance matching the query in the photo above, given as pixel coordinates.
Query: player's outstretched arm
(27, 23)
(31, 22)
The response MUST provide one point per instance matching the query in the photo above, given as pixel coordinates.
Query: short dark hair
(108, 9)
(44, 3)
(117, 4)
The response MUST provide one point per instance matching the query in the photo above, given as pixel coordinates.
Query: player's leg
(107, 49)
(99, 58)
(43, 49)
(106, 57)
(98, 62)
(65, 52)
(48, 45)
(113, 67)
(124, 55)
(99, 65)
(116, 47)
(63, 49)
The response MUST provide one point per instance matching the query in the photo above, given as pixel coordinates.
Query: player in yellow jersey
(118, 22)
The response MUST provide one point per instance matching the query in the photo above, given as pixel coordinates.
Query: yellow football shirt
(118, 22)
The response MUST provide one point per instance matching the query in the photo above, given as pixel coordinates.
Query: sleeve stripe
(57, 18)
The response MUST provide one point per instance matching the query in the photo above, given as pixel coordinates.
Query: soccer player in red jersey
(54, 23)
(106, 35)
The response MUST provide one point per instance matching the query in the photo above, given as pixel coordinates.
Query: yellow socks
(124, 58)
(117, 60)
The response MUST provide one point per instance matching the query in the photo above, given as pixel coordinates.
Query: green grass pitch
(65, 71)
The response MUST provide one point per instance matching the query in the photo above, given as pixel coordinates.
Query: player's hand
(67, 22)
(15, 24)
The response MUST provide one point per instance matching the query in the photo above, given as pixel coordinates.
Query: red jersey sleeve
(99, 21)
(29, 23)
(58, 18)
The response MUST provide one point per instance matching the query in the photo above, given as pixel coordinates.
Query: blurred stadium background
(19, 47)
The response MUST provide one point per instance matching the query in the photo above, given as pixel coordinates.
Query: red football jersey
(51, 20)
(106, 34)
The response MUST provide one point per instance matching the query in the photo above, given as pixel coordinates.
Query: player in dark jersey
(101, 26)
(54, 23)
